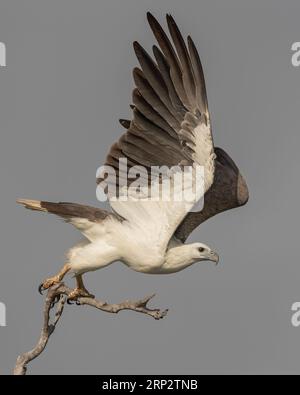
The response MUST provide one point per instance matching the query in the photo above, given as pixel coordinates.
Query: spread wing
(228, 191)
(170, 127)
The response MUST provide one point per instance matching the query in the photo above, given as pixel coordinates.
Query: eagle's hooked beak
(214, 257)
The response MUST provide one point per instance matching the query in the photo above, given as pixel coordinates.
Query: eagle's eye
(201, 249)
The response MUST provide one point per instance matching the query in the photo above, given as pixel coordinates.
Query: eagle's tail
(64, 210)
(32, 204)
(68, 210)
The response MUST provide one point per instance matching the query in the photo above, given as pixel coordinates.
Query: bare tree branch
(57, 295)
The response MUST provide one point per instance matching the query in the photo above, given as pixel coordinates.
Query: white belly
(118, 243)
(87, 256)
(144, 261)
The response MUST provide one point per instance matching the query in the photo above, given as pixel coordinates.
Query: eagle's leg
(80, 290)
(49, 282)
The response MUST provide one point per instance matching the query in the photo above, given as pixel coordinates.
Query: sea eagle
(170, 126)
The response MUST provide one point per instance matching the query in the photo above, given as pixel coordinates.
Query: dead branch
(57, 296)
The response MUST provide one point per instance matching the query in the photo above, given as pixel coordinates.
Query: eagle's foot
(48, 283)
(79, 293)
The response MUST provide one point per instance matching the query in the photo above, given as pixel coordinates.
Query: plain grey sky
(67, 81)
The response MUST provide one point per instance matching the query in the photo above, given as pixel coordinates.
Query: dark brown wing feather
(228, 191)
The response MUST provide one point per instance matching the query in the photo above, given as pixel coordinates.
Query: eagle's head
(184, 255)
(201, 252)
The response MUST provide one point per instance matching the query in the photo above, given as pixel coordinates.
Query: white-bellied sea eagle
(170, 126)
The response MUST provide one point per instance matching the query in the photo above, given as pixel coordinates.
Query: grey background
(67, 81)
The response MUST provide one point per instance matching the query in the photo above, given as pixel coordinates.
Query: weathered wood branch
(57, 296)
